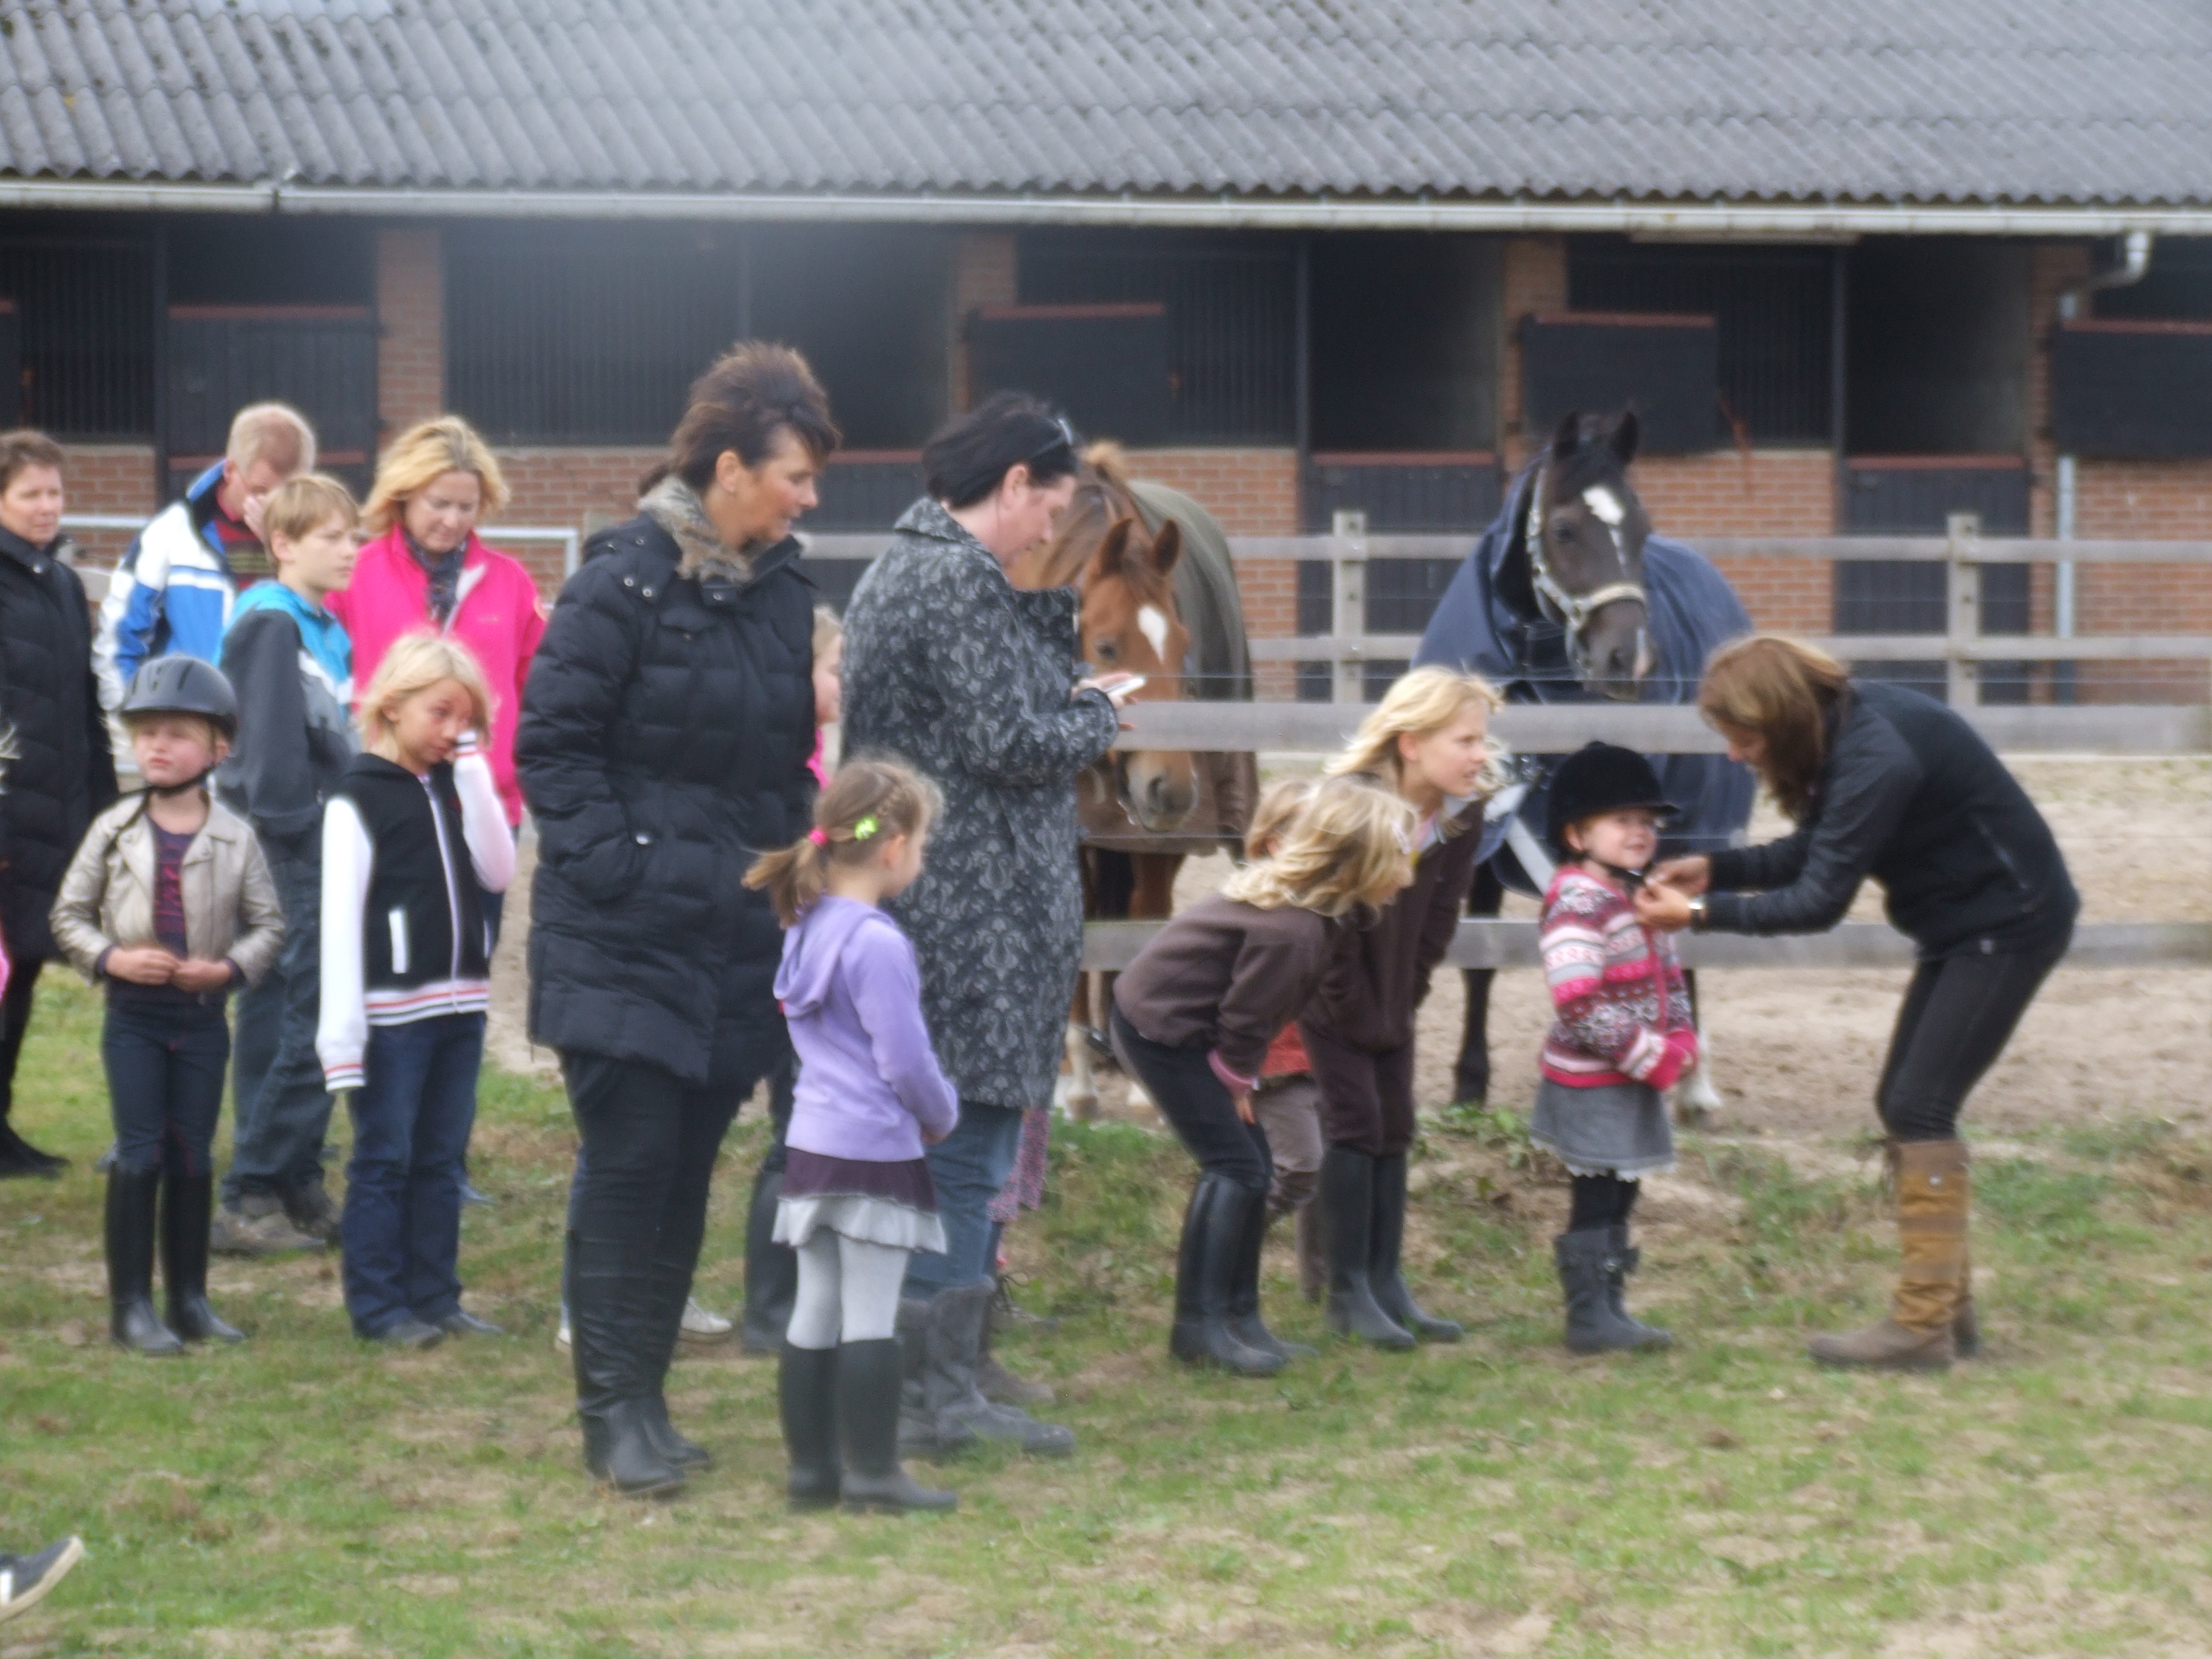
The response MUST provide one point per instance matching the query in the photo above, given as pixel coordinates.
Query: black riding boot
(672, 1289)
(1585, 1261)
(806, 1387)
(868, 1378)
(187, 1211)
(617, 1360)
(771, 1270)
(132, 1198)
(1213, 1235)
(1385, 1245)
(1623, 1258)
(1347, 1200)
(1471, 1072)
(1244, 1320)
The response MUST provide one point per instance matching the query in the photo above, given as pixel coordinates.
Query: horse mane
(1102, 497)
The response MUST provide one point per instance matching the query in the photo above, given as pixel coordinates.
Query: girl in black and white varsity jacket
(414, 836)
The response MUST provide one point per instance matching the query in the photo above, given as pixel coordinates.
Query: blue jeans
(970, 1167)
(284, 1110)
(165, 1063)
(401, 1230)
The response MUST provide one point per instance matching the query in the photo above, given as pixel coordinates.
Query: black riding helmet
(1600, 778)
(178, 685)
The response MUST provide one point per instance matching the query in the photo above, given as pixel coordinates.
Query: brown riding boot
(1933, 1200)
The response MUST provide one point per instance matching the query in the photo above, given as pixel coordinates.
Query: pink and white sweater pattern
(1622, 1011)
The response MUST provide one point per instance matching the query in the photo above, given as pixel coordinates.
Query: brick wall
(2149, 500)
(411, 312)
(108, 478)
(561, 488)
(1775, 492)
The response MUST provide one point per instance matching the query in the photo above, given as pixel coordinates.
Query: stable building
(1860, 267)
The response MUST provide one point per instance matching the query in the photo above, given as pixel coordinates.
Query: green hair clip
(865, 828)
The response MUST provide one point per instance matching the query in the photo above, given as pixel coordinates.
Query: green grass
(302, 1495)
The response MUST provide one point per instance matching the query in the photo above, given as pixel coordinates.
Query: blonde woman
(1428, 743)
(425, 568)
(413, 838)
(1194, 1017)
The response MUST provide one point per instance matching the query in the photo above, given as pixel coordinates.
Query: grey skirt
(1616, 1128)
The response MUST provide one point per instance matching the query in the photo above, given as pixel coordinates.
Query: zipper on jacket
(453, 888)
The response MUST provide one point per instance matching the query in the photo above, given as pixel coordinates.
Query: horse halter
(1574, 611)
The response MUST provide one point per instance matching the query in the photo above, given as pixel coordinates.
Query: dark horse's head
(1580, 553)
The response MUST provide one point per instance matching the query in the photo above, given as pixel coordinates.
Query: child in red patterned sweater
(1624, 1031)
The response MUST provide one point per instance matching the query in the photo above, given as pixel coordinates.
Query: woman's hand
(1658, 905)
(1689, 877)
(142, 964)
(196, 973)
(1119, 687)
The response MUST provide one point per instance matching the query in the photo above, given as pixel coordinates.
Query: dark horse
(1570, 597)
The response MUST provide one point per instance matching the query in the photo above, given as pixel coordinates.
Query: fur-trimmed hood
(676, 507)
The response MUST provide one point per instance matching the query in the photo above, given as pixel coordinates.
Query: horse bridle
(1572, 611)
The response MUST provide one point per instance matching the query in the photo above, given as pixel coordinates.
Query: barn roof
(1981, 102)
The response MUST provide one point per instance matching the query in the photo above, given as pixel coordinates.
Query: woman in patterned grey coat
(973, 682)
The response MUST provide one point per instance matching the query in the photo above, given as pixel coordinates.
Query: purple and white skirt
(890, 1204)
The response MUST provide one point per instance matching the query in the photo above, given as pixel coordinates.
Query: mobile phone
(1126, 690)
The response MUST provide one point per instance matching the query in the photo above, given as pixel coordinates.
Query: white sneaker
(25, 1579)
(700, 1326)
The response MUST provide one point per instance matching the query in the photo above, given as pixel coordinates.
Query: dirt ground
(1795, 1054)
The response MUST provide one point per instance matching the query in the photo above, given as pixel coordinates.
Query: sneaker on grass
(25, 1579)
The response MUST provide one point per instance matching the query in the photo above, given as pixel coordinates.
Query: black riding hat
(1597, 778)
(178, 685)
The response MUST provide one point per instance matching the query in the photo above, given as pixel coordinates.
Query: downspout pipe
(2135, 262)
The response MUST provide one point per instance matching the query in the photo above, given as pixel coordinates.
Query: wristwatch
(1698, 913)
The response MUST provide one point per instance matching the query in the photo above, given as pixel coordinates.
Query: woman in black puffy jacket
(665, 735)
(1885, 782)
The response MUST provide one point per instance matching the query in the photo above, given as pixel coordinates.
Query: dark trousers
(165, 1063)
(1366, 1098)
(968, 1168)
(284, 1110)
(401, 1230)
(1958, 1015)
(14, 1021)
(1182, 1084)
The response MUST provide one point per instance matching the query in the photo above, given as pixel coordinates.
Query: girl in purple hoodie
(857, 1198)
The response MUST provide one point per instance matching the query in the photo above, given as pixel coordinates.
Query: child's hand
(142, 964)
(196, 973)
(1244, 1108)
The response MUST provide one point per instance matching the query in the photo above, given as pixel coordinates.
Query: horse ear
(1113, 549)
(1569, 436)
(1626, 431)
(1167, 548)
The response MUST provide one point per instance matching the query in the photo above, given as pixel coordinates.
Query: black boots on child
(1364, 1206)
(184, 1206)
(1594, 1267)
(848, 1394)
(771, 1270)
(1217, 1312)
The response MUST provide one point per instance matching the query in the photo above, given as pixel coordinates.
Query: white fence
(94, 577)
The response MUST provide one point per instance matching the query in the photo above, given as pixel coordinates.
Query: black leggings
(1601, 1201)
(1958, 1015)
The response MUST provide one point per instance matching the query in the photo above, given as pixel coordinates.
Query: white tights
(848, 1290)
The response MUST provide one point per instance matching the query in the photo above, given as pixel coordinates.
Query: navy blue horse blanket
(1692, 610)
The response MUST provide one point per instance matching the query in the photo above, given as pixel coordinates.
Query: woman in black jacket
(62, 773)
(1885, 782)
(665, 733)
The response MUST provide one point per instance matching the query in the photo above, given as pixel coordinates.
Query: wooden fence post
(1348, 612)
(1963, 617)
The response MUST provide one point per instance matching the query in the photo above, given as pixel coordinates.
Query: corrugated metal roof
(2015, 101)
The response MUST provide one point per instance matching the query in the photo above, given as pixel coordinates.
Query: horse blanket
(1692, 610)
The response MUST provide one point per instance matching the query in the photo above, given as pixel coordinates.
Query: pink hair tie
(818, 835)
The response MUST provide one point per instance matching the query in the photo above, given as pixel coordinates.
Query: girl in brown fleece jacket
(1428, 741)
(1194, 1015)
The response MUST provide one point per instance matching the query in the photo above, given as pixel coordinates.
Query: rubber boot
(1213, 1227)
(1347, 1199)
(187, 1212)
(671, 1293)
(615, 1347)
(1386, 1243)
(771, 1271)
(955, 1403)
(1934, 1199)
(1585, 1264)
(1621, 1260)
(806, 1385)
(1313, 1252)
(867, 1412)
(1244, 1293)
(132, 1197)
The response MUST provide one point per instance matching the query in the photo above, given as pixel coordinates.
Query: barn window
(1231, 318)
(1772, 309)
(84, 314)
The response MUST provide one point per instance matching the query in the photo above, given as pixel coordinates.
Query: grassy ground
(303, 1497)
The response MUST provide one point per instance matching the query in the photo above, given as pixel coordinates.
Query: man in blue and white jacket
(176, 587)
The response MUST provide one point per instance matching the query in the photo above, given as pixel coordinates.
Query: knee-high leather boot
(1214, 1229)
(187, 1212)
(132, 1198)
(1347, 1201)
(672, 1289)
(1934, 1200)
(618, 1361)
(1385, 1244)
(1244, 1293)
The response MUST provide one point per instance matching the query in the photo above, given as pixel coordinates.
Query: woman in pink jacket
(426, 569)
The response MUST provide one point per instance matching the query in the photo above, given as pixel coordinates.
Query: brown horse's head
(1128, 622)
